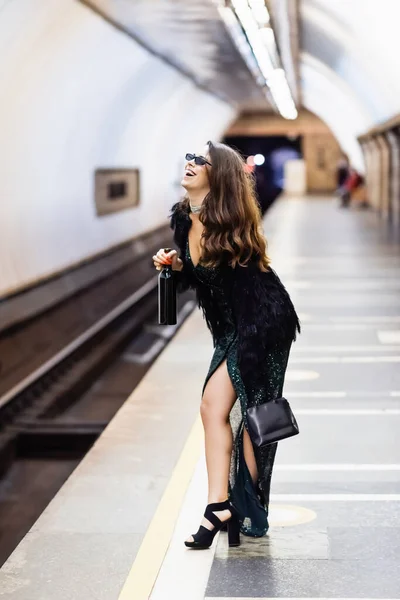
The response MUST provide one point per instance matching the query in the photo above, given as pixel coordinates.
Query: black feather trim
(180, 223)
(265, 317)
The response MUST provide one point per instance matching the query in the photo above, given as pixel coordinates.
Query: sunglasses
(198, 160)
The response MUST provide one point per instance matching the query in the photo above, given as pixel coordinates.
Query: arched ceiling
(349, 50)
(192, 37)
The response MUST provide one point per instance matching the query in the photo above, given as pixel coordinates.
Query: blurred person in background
(342, 173)
(351, 187)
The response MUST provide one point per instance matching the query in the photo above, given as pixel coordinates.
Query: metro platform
(116, 528)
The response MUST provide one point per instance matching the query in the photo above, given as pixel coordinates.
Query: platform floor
(116, 528)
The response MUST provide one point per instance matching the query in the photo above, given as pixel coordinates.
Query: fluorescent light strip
(260, 12)
(253, 16)
(268, 37)
(252, 30)
(241, 41)
(281, 93)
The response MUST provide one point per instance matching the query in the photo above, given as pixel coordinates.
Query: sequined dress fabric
(251, 500)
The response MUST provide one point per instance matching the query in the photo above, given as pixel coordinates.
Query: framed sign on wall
(116, 189)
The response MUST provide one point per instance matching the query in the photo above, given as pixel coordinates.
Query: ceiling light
(281, 93)
(260, 11)
(268, 37)
(254, 19)
(252, 30)
(259, 159)
(239, 38)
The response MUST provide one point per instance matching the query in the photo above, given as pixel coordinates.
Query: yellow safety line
(150, 556)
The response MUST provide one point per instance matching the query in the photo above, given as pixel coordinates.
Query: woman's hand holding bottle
(165, 256)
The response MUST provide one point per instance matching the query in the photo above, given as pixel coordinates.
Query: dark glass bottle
(166, 295)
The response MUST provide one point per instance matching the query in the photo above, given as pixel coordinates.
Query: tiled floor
(335, 506)
(344, 276)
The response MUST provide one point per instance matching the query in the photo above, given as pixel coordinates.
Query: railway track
(50, 419)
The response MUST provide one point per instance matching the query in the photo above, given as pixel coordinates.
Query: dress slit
(214, 366)
(251, 499)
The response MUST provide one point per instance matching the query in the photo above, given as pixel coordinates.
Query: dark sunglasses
(198, 160)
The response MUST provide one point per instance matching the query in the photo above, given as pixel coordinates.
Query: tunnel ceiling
(348, 64)
(193, 38)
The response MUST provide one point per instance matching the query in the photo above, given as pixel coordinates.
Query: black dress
(220, 293)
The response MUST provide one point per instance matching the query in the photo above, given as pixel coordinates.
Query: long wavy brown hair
(230, 213)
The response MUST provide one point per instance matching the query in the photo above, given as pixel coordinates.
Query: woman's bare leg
(249, 455)
(218, 399)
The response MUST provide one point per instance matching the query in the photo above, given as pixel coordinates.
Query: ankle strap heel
(233, 526)
(225, 505)
(204, 537)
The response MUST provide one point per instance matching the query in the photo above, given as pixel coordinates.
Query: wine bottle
(166, 295)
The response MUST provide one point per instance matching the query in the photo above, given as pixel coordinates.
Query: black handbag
(271, 421)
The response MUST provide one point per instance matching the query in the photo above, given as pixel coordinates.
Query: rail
(128, 303)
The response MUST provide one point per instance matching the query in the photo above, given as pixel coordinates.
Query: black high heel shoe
(204, 537)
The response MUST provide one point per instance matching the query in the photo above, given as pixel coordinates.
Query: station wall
(77, 95)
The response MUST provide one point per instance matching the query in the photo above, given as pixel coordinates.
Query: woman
(218, 230)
